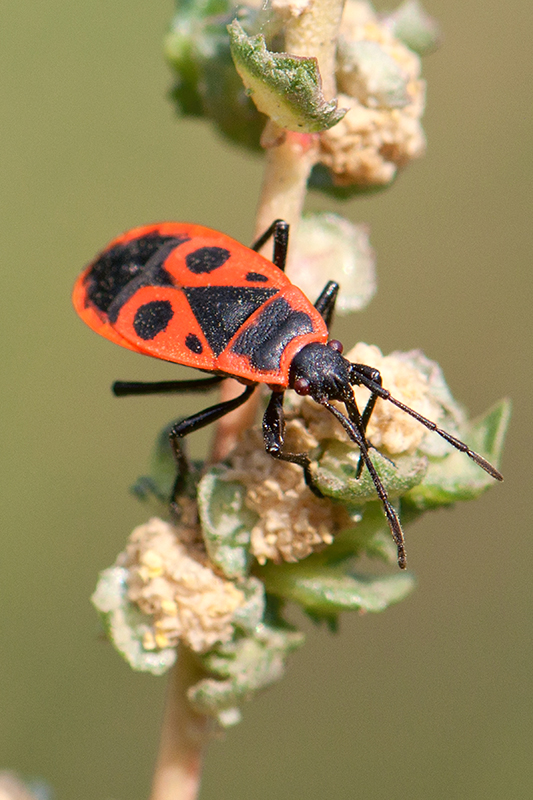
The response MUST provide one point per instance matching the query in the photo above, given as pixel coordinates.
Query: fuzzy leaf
(369, 535)
(126, 626)
(414, 27)
(326, 590)
(336, 475)
(286, 88)
(328, 244)
(226, 522)
(457, 477)
(242, 667)
(206, 82)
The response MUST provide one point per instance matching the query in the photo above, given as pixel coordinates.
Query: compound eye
(301, 386)
(336, 345)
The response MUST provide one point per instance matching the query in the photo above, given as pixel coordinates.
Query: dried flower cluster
(292, 521)
(185, 599)
(390, 429)
(379, 82)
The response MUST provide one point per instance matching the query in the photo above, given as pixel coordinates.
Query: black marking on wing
(221, 310)
(257, 276)
(152, 318)
(115, 268)
(206, 259)
(193, 343)
(265, 340)
(152, 274)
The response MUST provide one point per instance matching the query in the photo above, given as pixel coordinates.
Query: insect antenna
(359, 378)
(352, 429)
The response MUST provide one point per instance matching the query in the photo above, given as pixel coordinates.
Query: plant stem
(184, 735)
(290, 157)
(289, 161)
(314, 32)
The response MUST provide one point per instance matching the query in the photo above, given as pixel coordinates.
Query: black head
(320, 371)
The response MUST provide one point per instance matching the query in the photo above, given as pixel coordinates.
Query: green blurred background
(432, 698)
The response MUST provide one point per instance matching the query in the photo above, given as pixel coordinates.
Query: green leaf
(286, 88)
(155, 488)
(415, 28)
(207, 84)
(457, 477)
(336, 475)
(226, 522)
(322, 179)
(242, 667)
(326, 590)
(125, 625)
(370, 535)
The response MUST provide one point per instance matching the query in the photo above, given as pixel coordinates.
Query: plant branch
(290, 157)
(184, 735)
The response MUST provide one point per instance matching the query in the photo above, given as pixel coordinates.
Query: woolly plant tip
(158, 598)
(286, 88)
(14, 788)
(414, 27)
(238, 76)
(329, 247)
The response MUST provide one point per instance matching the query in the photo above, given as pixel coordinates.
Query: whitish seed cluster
(292, 521)
(378, 80)
(416, 381)
(411, 378)
(185, 598)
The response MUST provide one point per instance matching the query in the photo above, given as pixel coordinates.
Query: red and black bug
(193, 296)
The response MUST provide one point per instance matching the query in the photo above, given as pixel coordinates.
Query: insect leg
(194, 423)
(325, 304)
(279, 230)
(390, 513)
(273, 435)
(374, 375)
(125, 388)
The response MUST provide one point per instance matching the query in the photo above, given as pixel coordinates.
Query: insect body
(193, 296)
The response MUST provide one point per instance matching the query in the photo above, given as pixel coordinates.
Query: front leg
(325, 304)
(279, 230)
(374, 375)
(273, 435)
